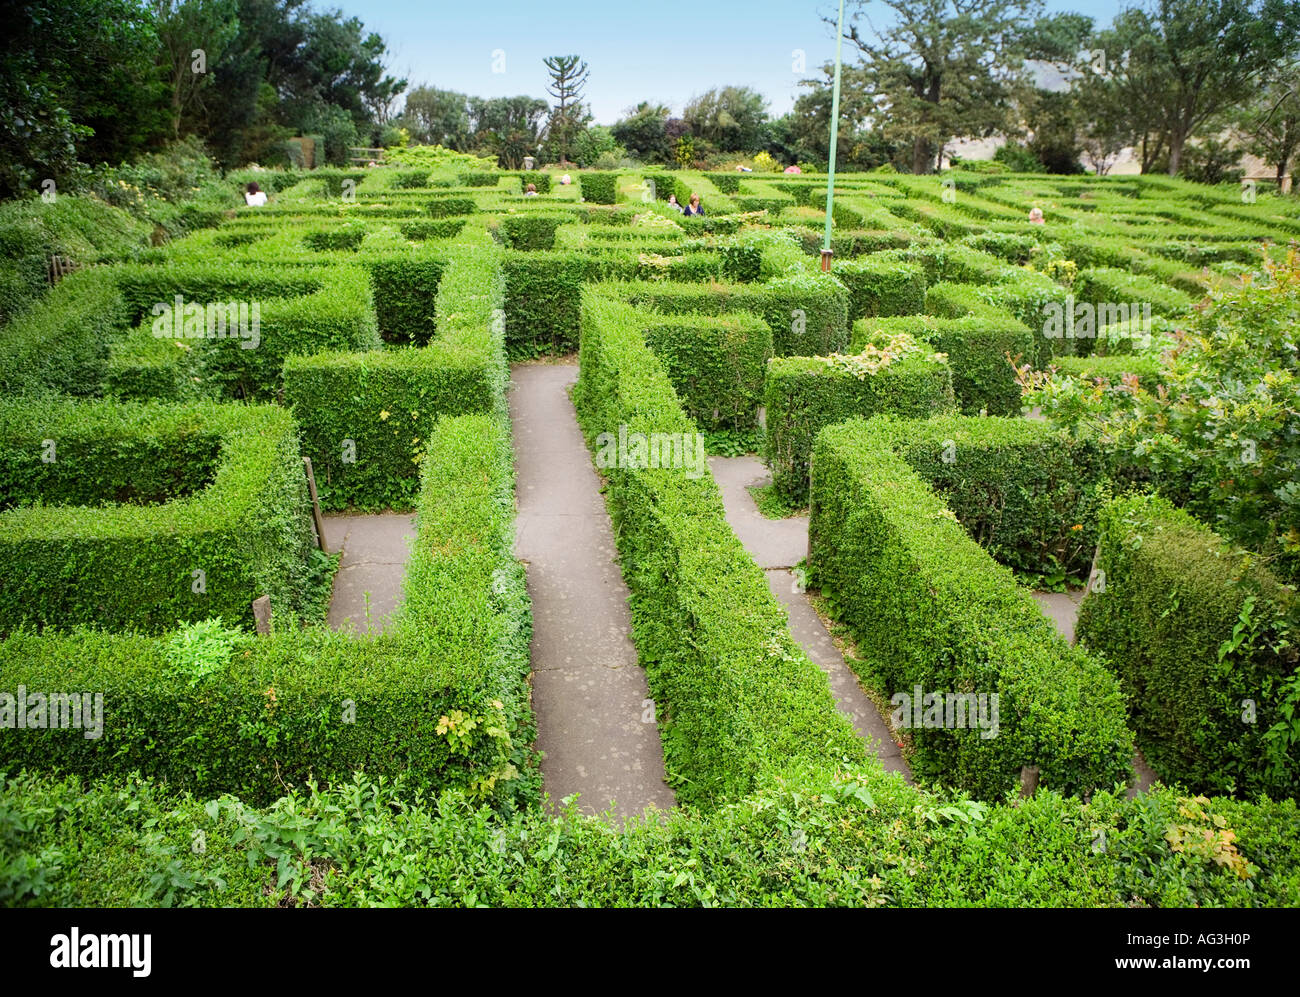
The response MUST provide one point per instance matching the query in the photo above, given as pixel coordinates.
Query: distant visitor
(694, 207)
(254, 196)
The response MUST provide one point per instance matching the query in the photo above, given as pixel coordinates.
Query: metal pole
(835, 137)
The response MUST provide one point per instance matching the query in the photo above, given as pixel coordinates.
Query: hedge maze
(154, 419)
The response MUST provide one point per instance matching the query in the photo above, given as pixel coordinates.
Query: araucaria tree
(568, 76)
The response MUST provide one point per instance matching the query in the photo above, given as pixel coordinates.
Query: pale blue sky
(665, 50)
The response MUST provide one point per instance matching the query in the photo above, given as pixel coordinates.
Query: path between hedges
(375, 552)
(594, 716)
(778, 545)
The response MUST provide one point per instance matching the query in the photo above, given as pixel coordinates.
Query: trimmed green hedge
(928, 607)
(405, 287)
(60, 345)
(530, 231)
(1025, 491)
(136, 500)
(980, 349)
(870, 841)
(366, 417)
(803, 394)
(211, 711)
(882, 287)
(599, 188)
(338, 316)
(738, 701)
(449, 207)
(716, 364)
(1203, 640)
(442, 228)
(807, 313)
(480, 178)
(1148, 370)
(540, 180)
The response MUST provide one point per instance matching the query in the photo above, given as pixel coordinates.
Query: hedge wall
(871, 842)
(1203, 640)
(530, 231)
(980, 350)
(1028, 493)
(738, 701)
(387, 402)
(138, 498)
(882, 287)
(599, 188)
(405, 287)
(807, 313)
(928, 607)
(715, 363)
(210, 711)
(60, 344)
(803, 394)
(338, 316)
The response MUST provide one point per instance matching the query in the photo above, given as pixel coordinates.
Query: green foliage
(61, 344)
(739, 702)
(147, 515)
(599, 188)
(927, 606)
(1203, 639)
(715, 363)
(1218, 431)
(81, 229)
(530, 231)
(854, 839)
(803, 394)
(881, 287)
(980, 350)
(444, 228)
(366, 417)
(442, 698)
(450, 207)
(1024, 490)
(340, 315)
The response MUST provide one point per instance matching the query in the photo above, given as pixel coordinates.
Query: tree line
(1188, 84)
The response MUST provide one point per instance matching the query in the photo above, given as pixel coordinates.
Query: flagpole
(835, 137)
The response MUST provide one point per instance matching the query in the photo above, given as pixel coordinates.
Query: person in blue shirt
(694, 207)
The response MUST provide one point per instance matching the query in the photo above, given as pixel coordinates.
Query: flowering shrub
(1221, 434)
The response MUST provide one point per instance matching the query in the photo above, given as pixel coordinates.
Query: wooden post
(1028, 780)
(262, 614)
(315, 506)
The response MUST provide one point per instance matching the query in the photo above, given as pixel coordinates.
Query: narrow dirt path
(778, 545)
(595, 721)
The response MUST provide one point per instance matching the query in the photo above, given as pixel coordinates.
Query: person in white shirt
(254, 196)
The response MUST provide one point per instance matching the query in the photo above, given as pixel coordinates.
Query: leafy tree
(569, 75)
(943, 68)
(804, 134)
(642, 131)
(595, 143)
(730, 118)
(507, 127)
(77, 81)
(1178, 66)
(185, 27)
(438, 117)
(1273, 121)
